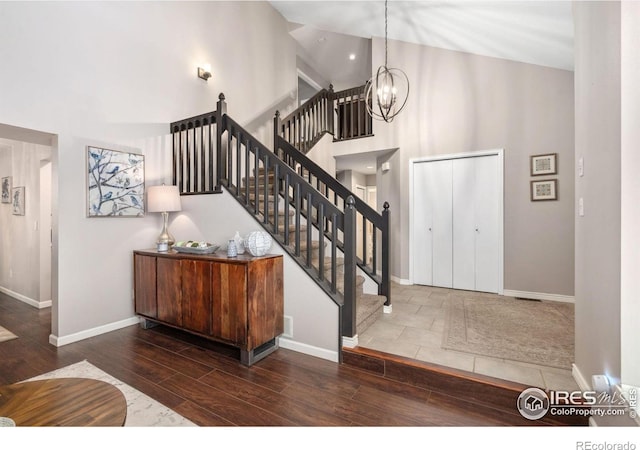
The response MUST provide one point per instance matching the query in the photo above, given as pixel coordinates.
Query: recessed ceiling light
(322, 39)
(369, 167)
(352, 56)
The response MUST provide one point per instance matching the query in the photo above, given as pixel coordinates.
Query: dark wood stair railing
(212, 151)
(376, 267)
(342, 114)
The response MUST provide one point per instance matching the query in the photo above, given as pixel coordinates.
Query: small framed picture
(544, 164)
(544, 190)
(6, 189)
(17, 195)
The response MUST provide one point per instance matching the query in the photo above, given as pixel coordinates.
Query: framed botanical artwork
(17, 196)
(6, 189)
(544, 190)
(115, 183)
(544, 164)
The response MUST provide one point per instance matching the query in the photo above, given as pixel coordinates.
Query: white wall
(607, 246)
(116, 74)
(20, 236)
(462, 103)
(45, 230)
(322, 155)
(630, 193)
(598, 97)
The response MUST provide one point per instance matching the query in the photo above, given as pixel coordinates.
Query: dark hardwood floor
(205, 382)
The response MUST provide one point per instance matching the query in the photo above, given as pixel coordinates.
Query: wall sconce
(164, 199)
(204, 72)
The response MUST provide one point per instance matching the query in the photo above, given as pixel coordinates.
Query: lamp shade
(163, 199)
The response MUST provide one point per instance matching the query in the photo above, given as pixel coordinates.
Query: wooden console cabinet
(237, 301)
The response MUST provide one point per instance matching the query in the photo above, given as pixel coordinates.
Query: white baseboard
(23, 298)
(307, 349)
(540, 296)
(582, 382)
(59, 341)
(400, 280)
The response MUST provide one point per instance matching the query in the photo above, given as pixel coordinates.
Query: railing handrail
(182, 125)
(233, 125)
(322, 93)
(367, 211)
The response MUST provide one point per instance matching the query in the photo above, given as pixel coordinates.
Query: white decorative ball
(258, 243)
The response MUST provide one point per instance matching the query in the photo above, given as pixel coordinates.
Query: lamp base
(165, 240)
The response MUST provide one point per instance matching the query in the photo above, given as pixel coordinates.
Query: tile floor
(415, 329)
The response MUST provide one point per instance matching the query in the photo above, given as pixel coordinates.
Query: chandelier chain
(385, 33)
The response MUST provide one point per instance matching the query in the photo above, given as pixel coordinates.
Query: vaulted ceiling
(328, 32)
(536, 32)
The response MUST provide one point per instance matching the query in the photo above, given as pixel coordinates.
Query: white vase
(239, 243)
(258, 243)
(232, 251)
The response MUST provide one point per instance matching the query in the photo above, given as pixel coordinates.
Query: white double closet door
(457, 223)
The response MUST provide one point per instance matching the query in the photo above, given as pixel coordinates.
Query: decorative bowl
(195, 247)
(258, 243)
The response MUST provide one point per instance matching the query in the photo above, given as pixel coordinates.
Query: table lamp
(164, 199)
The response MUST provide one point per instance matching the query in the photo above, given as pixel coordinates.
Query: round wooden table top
(74, 402)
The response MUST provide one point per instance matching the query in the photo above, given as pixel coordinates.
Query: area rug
(142, 410)
(507, 328)
(6, 335)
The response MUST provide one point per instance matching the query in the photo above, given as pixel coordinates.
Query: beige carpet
(507, 328)
(142, 410)
(6, 335)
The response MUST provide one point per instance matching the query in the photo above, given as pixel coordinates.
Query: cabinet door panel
(196, 295)
(422, 251)
(266, 309)
(464, 223)
(432, 224)
(169, 284)
(229, 292)
(441, 193)
(145, 285)
(487, 200)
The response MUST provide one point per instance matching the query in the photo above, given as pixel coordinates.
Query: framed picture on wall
(115, 183)
(17, 195)
(544, 164)
(6, 189)
(544, 190)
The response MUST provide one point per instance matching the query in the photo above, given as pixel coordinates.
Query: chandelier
(390, 85)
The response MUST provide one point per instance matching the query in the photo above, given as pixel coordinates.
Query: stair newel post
(385, 285)
(221, 160)
(349, 308)
(277, 125)
(329, 111)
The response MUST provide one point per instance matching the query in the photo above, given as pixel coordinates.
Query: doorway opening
(28, 267)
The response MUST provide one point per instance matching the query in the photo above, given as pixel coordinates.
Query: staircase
(306, 210)
(369, 307)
